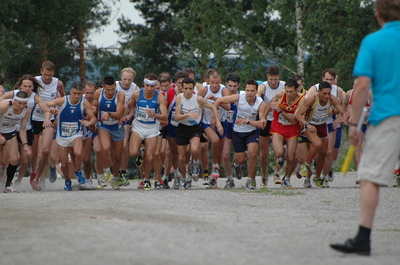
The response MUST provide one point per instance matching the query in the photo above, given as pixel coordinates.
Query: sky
(107, 37)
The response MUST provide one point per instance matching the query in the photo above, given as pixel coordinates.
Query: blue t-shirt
(379, 59)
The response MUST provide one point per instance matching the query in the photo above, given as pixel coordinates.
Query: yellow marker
(350, 152)
(348, 158)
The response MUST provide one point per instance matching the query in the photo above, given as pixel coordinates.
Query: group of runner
(172, 126)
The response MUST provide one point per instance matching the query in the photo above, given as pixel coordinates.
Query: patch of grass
(326, 201)
(270, 192)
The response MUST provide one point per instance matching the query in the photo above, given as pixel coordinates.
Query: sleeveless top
(190, 105)
(68, 124)
(286, 107)
(246, 111)
(208, 112)
(31, 104)
(270, 93)
(144, 104)
(318, 114)
(108, 105)
(128, 92)
(10, 120)
(48, 93)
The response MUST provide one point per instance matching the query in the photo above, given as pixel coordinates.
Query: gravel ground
(196, 226)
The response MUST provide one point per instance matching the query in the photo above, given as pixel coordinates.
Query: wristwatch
(248, 121)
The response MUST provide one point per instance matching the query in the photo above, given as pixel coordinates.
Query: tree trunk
(299, 32)
(81, 53)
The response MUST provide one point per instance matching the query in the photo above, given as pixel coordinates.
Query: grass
(270, 192)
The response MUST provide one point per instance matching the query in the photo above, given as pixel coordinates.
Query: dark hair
(181, 74)
(252, 81)
(151, 76)
(35, 82)
(99, 84)
(324, 84)
(189, 80)
(48, 65)
(329, 71)
(291, 83)
(232, 77)
(190, 71)
(1, 80)
(77, 85)
(273, 70)
(388, 10)
(297, 77)
(108, 80)
(22, 94)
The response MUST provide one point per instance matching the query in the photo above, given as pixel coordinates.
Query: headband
(21, 99)
(150, 82)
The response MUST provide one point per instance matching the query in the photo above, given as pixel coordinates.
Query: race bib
(109, 121)
(69, 128)
(173, 121)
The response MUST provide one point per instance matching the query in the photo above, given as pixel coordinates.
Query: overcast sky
(107, 37)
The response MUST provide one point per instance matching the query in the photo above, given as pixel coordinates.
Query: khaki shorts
(381, 151)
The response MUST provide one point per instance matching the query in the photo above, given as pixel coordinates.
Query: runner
(70, 123)
(51, 89)
(314, 134)
(14, 112)
(109, 103)
(267, 91)
(284, 127)
(246, 128)
(150, 110)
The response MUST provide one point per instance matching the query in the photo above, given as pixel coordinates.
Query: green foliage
(32, 31)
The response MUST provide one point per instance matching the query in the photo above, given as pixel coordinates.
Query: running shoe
(307, 183)
(213, 183)
(325, 182)
(32, 176)
(286, 183)
(88, 184)
(331, 175)
(317, 182)
(183, 184)
(396, 181)
(53, 174)
(146, 184)
(80, 178)
(36, 185)
(303, 169)
(298, 175)
(264, 182)
(68, 185)
(230, 184)
(140, 186)
(238, 171)
(277, 179)
(251, 184)
(215, 172)
(165, 183)
(140, 157)
(123, 181)
(42, 183)
(103, 180)
(206, 181)
(177, 183)
(114, 183)
(195, 171)
(9, 190)
(157, 185)
(188, 183)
